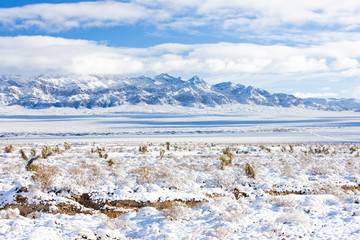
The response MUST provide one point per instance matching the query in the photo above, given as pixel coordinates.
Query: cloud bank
(50, 54)
(261, 18)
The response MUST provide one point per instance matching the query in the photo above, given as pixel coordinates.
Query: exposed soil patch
(86, 205)
(278, 193)
(351, 188)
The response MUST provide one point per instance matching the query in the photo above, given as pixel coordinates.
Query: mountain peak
(163, 76)
(195, 80)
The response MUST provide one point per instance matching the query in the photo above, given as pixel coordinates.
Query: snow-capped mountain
(113, 90)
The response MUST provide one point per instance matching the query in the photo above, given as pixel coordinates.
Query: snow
(306, 164)
(239, 123)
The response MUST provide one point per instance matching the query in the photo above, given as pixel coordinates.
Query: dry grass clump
(224, 181)
(44, 176)
(9, 213)
(329, 188)
(222, 232)
(145, 174)
(282, 201)
(87, 176)
(286, 169)
(175, 211)
(319, 170)
(292, 217)
(75, 171)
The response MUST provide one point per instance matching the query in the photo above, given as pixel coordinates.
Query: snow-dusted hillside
(113, 90)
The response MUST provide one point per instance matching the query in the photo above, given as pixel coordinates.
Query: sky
(303, 47)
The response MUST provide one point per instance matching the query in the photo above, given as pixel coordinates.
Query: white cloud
(231, 16)
(43, 54)
(315, 95)
(58, 17)
(345, 63)
(353, 92)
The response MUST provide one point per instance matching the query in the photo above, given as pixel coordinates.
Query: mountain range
(113, 90)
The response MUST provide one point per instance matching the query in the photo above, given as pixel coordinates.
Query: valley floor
(228, 123)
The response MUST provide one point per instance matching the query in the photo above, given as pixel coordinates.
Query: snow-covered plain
(234, 123)
(118, 178)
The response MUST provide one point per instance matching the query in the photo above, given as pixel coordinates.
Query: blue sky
(307, 48)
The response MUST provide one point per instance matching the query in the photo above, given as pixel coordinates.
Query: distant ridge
(113, 90)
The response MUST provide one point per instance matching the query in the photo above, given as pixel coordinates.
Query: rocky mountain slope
(112, 90)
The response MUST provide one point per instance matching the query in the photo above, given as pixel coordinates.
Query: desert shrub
(143, 149)
(162, 154)
(32, 167)
(249, 170)
(100, 151)
(291, 149)
(23, 155)
(231, 158)
(311, 151)
(352, 149)
(110, 162)
(67, 146)
(46, 152)
(223, 162)
(226, 151)
(33, 152)
(9, 149)
(227, 157)
(57, 149)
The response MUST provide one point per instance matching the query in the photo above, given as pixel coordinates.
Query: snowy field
(140, 172)
(233, 123)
